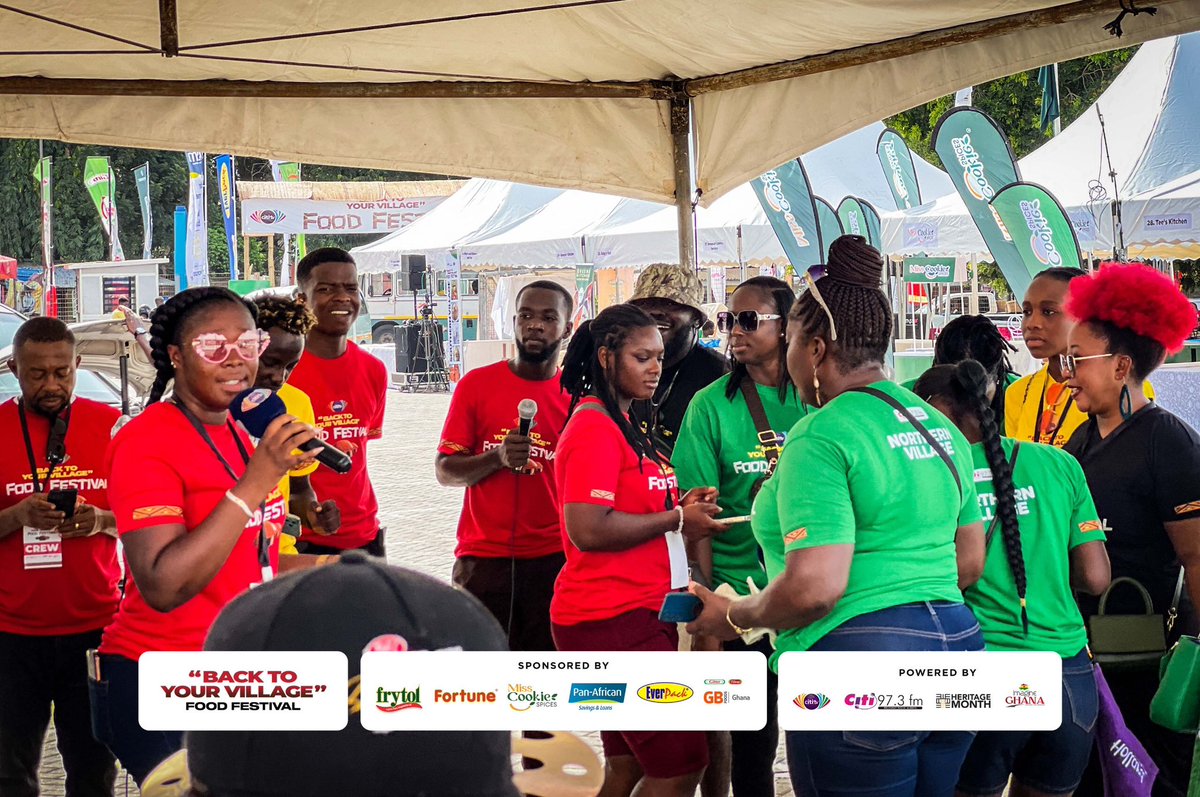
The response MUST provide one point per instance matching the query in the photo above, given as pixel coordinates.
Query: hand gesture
(514, 451)
(713, 618)
(698, 523)
(702, 495)
(38, 513)
(82, 524)
(324, 518)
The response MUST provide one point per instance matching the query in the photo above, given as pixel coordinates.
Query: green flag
(829, 224)
(897, 161)
(1047, 78)
(43, 173)
(1041, 231)
(787, 199)
(98, 178)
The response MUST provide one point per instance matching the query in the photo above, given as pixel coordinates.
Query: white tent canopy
(593, 94)
(1152, 115)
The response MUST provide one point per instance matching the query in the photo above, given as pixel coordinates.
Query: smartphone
(292, 526)
(729, 521)
(64, 501)
(679, 607)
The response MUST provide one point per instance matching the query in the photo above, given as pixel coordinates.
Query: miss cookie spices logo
(974, 174)
(1041, 239)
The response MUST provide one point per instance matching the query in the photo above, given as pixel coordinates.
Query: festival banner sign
(263, 216)
(585, 293)
(43, 174)
(897, 161)
(197, 221)
(787, 198)
(980, 164)
(1041, 230)
(454, 329)
(141, 176)
(289, 172)
(225, 184)
(829, 224)
(929, 269)
(98, 179)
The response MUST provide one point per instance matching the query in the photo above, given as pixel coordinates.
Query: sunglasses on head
(214, 347)
(747, 319)
(810, 277)
(1069, 362)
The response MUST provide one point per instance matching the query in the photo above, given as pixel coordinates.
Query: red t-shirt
(348, 396)
(72, 588)
(595, 465)
(507, 514)
(164, 473)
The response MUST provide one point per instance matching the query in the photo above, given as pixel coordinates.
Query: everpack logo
(773, 192)
(597, 693)
(1024, 696)
(974, 174)
(665, 693)
(1041, 238)
(522, 697)
(267, 216)
(811, 702)
(390, 702)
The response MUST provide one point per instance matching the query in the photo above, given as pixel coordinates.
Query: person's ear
(604, 354)
(1123, 367)
(12, 366)
(817, 351)
(176, 355)
(567, 330)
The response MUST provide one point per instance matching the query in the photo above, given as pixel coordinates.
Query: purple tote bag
(1127, 768)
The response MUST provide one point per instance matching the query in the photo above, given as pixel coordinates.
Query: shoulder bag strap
(766, 435)
(991, 531)
(900, 408)
(1174, 612)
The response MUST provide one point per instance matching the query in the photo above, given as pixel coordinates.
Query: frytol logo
(862, 702)
(522, 697)
(597, 693)
(665, 693)
(811, 702)
(773, 193)
(255, 398)
(1041, 238)
(974, 175)
(268, 216)
(391, 702)
(889, 149)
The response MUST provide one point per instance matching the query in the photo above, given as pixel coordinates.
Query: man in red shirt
(58, 573)
(348, 388)
(509, 540)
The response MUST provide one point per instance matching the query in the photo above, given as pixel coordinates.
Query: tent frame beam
(681, 131)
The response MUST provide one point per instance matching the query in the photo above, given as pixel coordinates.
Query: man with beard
(58, 563)
(672, 296)
(510, 546)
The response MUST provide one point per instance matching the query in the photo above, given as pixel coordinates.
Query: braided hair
(859, 308)
(583, 375)
(290, 315)
(167, 324)
(975, 337)
(780, 294)
(963, 389)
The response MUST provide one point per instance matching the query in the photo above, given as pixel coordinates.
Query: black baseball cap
(355, 604)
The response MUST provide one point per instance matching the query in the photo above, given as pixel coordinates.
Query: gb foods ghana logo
(1041, 238)
(772, 188)
(974, 175)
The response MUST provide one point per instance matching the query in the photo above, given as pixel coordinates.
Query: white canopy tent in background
(1152, 115)
(604, 95)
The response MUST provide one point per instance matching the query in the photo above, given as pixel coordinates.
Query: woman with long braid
(624, 527)
(870, 527)
(1035, 499)
(198, 514)
(975, 337)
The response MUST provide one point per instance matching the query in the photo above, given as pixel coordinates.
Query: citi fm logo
(665, 693)
(1041, 239)
(974, 175)
(862, 702)
(391, 702)
(811, 702)
(268, 216)
(773, 193)
(889, 149)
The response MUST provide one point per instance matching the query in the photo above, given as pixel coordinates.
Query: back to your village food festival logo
(975, 175)
(773, 191)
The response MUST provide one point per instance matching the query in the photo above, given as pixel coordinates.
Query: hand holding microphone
(258, 409)
(516, 447)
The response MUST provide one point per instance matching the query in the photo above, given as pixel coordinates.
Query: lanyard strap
(1037, 421)
(264, 557)
(55, 453)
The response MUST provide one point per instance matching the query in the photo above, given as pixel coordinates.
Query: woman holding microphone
(197, 506)
(624, 527)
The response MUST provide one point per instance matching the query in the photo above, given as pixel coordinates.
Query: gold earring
(817, 388)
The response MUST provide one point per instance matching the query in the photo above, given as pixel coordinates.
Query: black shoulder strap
(766, 435)
(991, 531)
(900, 408)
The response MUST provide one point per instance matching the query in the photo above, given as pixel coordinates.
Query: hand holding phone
(64, 501)
(679, 607)
(729, 521)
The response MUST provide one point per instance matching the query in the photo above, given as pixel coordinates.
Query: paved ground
(420, 515)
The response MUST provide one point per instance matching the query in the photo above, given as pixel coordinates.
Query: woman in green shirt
(868, 528)
(719, 445)
(1035, 498)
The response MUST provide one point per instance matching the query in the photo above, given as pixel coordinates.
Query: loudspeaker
(412, 273)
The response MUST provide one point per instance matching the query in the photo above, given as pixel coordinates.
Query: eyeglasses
(811, 276)
(747, 320)
(1069, 362)
(214, 347)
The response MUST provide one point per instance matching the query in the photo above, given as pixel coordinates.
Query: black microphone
(256, 407)
(525, 411)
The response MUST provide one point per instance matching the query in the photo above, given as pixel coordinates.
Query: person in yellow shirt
(1039, 407)
(288, 322)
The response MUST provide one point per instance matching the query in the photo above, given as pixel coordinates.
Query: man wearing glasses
(58, 563)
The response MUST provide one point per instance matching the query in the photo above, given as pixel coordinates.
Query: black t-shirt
(678, 384)
(1143, 475)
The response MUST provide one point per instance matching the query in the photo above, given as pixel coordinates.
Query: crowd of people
(606, 467)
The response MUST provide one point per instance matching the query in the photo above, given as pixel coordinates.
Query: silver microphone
(525, 411)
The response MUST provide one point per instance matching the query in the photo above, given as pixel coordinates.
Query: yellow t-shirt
(1027, 395)
(299, 406)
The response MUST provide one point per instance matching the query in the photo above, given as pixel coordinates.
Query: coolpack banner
(829, 224)
(98, 179)
(1041, 231)
(197, 221)
(981, 164)
(787, 199)
(141, 176)
(288, 172)
(225, 184)
(897, 161)
(585, 293)
(43, 174)
(454, 327)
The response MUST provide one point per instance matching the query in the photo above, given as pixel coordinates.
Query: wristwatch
(137, 333)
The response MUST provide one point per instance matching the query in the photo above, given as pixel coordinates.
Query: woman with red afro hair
(1143, 468)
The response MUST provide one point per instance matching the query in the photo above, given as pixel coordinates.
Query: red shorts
(661, 754)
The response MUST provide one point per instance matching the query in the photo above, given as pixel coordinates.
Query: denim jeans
(887, 763)
(752, 753)
(115, 719)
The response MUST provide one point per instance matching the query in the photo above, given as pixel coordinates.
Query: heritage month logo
(773, 191)
(1041, 239)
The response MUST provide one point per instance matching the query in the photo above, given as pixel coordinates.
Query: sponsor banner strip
(919, 691)
(454, 691)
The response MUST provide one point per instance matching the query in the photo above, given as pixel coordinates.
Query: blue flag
(226, 186)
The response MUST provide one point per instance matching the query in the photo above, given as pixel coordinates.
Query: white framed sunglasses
(1069, 362)
(748, 320)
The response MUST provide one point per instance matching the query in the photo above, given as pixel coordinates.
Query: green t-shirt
(718, 447)
(856, 473)
(1055, 513)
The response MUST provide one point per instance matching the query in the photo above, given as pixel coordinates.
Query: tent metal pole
(681, 127)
